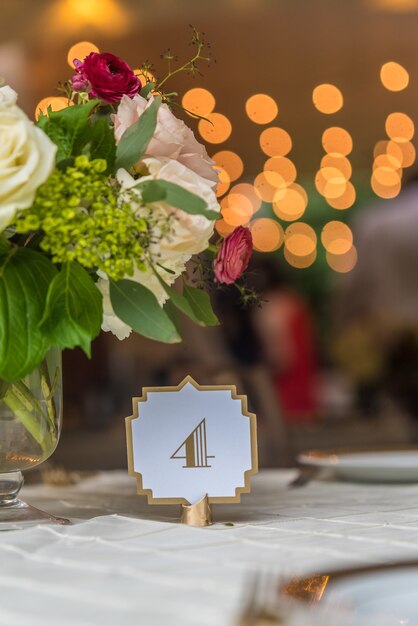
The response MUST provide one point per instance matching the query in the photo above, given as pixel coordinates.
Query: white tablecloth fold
(126, 563)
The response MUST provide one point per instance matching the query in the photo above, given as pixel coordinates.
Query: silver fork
(262, 602)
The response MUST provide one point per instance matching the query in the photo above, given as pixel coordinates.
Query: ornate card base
(193, 445)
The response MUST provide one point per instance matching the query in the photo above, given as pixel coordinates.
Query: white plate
(384, 596)
(375, 466)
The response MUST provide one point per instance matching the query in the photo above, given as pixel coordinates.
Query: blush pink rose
(106, 76)
(233, 256)
(172, 138)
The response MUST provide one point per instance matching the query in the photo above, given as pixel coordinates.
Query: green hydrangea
(83, 219)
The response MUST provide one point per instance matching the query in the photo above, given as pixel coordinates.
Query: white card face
(186, 442)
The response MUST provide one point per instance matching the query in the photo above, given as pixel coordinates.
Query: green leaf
(146, 89)
(4, 245)
(172, 313)
(71, 116)
(185, 200)
(74, 309)
(135, 305)
(152, 191)
(98, 142)
(9, 232)
(136, 138)
(25, 276)
(180, 302)
(68, 128)
(199, 301)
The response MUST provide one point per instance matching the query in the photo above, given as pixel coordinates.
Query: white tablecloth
(125, 563)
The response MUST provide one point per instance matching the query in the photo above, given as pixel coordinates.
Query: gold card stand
(198, 514)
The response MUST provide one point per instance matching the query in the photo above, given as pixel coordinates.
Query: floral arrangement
(102, 205)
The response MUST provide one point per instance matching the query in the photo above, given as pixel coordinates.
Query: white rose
(8, 96)
(27, 158)
(172, 138)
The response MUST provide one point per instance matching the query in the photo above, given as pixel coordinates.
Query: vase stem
(14, 512)
(10, 485)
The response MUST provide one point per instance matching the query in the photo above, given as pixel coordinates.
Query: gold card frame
(244, 409)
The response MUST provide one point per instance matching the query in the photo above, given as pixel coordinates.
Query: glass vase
(30, 425)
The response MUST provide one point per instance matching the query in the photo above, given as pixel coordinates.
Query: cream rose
(172, 138)
(189, 234)
(27, 158)
(8, 96)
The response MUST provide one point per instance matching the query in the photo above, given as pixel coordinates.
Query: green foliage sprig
(192, 66)
(82, 219)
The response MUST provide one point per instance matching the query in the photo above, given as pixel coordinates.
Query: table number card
(191, 441)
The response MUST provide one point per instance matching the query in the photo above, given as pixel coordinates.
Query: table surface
(124, 562)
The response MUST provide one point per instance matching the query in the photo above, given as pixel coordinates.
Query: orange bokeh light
(261, 108)
(330, 182)
(248, 191)
(223, 229)
(337, 237)
(327, 98)
(339, 163)
(234, 217)
(224, 182)
(346, 200)
(199, 101)
(388, 153)
(387, 162)
(275, 141)
(380, 147)
(342, 263)
(67, 18)
(333, 174)
(230, 162)
(217, 130)
(267, 234)
(80, 50)
(281, 167)
(300, 262)
(300, 239)
(236, 209)
(399, 127)
(394, 76)
(383, 190)
(408, 152)
(57, 103)
(290, 204)
(387, 176)
(239, 200)
(336, 140)
(266, 185)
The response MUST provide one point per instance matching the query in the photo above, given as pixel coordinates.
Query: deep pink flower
(107, 76)
(233, 256)
(80, 82)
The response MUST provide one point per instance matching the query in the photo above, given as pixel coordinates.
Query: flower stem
(29, 411)
(189, 66)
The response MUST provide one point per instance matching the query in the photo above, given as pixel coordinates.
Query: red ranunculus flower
(107, 77)
(233, 256)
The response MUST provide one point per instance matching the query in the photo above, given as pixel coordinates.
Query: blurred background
(313, 105)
